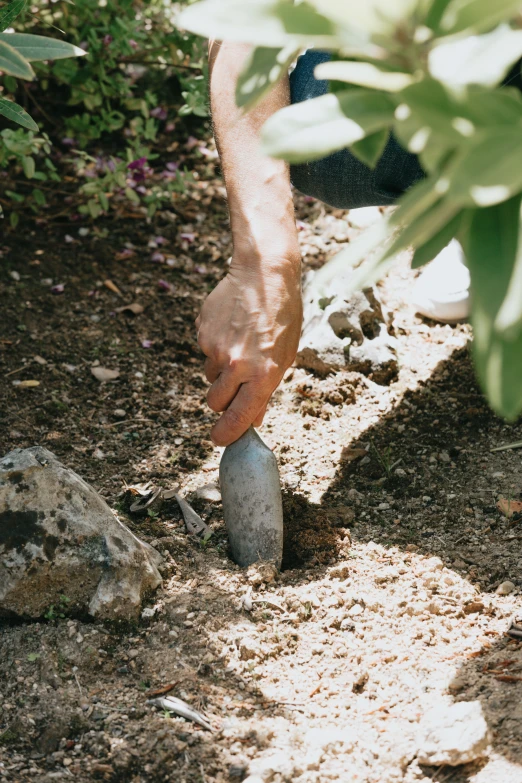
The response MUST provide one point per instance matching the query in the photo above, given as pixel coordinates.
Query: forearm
(258, 187)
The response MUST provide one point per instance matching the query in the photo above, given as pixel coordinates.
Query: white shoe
(441, 292)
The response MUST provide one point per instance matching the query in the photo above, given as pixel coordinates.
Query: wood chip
(134, 308)
(112, 287)
(103, 374)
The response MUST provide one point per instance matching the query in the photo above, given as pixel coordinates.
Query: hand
(249, 329)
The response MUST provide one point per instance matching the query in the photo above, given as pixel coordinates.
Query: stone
(209, 492)
(453, 734)
(346, 331)
(62, 546)
(505, 588)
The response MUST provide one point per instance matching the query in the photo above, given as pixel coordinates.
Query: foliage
(139, 73)
(432, 72)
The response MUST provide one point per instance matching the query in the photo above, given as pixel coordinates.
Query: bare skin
(249, 326)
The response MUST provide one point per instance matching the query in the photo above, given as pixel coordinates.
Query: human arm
(249, 326)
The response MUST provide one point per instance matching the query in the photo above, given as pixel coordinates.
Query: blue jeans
(341, 180)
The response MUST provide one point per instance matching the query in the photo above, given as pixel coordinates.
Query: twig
(13, 372)
(125, 421)
(516, 445)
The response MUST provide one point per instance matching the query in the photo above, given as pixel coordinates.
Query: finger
(198, 322)
(259, 418)
(240, 414)
(211, 370)
(222, 392)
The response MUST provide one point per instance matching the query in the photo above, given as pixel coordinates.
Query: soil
(394, 545)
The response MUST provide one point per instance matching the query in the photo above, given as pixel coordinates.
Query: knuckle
(235, 419)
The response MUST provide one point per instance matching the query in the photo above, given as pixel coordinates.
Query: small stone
(119, 413)
(453, 735)
(474, 607)
(355, 610)
(15, 275)
(209, 492)
(133, 654)
(505, 588)
(247, 649)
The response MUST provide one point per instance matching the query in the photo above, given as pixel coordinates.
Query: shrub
(139, 74)
(432, 72)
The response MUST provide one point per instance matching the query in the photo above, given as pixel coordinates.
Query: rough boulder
(62, 546)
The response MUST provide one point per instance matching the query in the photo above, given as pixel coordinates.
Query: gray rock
(61, 545)
(346, 332)
(453, 734)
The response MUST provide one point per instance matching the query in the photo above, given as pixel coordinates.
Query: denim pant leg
(340, 179)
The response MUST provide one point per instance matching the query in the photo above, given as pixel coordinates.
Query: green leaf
(94, 209)
(9, 13)
(14, 219)
(263, 69)
(314, 128)
(33, 657)
(363, 74)
(39, 47)
(476, 15)
(260, 22)
(12, 111)
(424, 228)
(28, 166)
(427, 252)
(492, 248)
(14, 196)
(370, 149)
(13, 63)
(488, 171)
(39, 197)
(483, 59)
(435, 12)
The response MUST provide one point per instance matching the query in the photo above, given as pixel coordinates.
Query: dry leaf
(163, 690)
(134, 309)
(102, 374)
(509, 507)
(112, 287)
(28, 384)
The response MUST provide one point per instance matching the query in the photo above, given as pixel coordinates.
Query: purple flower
(142, 190)
(172, 165)
(57, 289)
(146, 343)
(107, 39)
(164, 285)
(157, 257)
(188, 237)
(68, 141)
(191, 143)
(137, 164)
(170, 126)
(125, 253)
(160, 240)
(159, 113)
(133, 44)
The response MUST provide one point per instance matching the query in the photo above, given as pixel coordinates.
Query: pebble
(506, 588)
(453, 734)
(119, 413)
